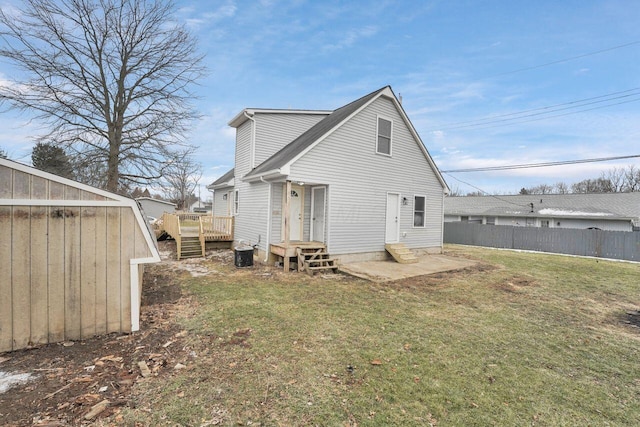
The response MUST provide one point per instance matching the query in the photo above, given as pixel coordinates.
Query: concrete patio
(388, 271)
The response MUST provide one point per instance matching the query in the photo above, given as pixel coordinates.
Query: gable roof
(151, 199)
(605, 206)
(245, 114)
(223, 181)
(279, 163)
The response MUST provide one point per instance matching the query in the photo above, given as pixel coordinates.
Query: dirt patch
(436, 280)
(632, 318)
(72, 381)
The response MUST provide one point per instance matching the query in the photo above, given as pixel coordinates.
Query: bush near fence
(624, 245)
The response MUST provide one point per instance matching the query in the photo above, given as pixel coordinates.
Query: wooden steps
(312, 260)
(401, 253)
(190, 248)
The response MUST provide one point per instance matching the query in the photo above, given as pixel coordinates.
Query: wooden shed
(71, 259)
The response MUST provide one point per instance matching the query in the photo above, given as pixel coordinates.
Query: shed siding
(359, 180)
(274, 131)
(65, 270)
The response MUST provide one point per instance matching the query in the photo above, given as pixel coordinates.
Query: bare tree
(3, 154)
(540, 189)
(561, 188)
(616, 179)
(110, 78)
(181, 179)
(631, 178)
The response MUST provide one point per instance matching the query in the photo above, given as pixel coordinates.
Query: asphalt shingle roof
(298, 145)
(602, 205)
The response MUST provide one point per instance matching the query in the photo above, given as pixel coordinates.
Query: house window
(384, 136)
(491, 220)
(419, 211)
(236, 202)
(544, 223)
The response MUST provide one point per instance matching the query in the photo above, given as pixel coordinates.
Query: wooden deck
(203, 228)
(290, 250)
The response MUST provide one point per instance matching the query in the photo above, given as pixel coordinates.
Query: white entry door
(318, 201)
(296, 212)
(392, 233)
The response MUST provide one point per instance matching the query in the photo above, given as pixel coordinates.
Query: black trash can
(243, 256)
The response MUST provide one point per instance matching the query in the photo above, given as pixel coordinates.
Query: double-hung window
(384, 132)
(419, 213)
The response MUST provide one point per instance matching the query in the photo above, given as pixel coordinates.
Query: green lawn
(525, 339)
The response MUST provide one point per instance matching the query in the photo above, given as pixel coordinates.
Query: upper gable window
(384, 132)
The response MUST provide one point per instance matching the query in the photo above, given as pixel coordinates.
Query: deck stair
(312, 260)
(401, 253)
(190, 248)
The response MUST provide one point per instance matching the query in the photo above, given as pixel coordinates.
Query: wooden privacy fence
(624, 245)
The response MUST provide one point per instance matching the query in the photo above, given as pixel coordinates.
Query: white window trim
(236, 201)
(378, 117)
(424, 212)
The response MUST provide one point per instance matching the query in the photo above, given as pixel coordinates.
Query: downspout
(252, 151)
(444, 194)
(268, 239)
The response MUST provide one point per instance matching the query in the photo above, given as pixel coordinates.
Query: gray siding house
(608, 211)
(352, 179)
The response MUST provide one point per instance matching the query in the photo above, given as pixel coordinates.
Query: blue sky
(455, 63)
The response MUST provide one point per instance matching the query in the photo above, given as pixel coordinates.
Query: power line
(542, 110)
(537, 165)
(559, 61)
(486, 193)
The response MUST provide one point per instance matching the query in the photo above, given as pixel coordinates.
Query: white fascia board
(71, 183)
(60, 202)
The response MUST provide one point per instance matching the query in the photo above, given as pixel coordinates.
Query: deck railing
(216, 228)
(171, 224)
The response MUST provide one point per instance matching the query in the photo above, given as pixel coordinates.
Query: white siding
(251, 220)
(274, 131)
(220, 205)
(359, 180)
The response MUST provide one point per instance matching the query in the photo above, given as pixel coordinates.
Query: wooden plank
(113, 269)
(88, 241)
(21, 272)
(21, 185)
(38, 264)
(127, 252)
(72, 266)
(101, 270)
(6, 177)
(55, 268)
(56, 190)
(6, 280)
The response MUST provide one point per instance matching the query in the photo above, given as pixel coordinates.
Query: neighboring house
(223, 194)
(352, 179)
(606, 211)
(71, 259)
(155, 207)
(200, 207)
